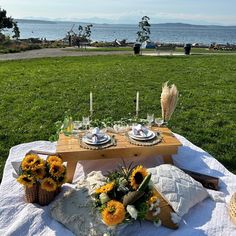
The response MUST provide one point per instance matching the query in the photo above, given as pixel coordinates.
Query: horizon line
(90, 22)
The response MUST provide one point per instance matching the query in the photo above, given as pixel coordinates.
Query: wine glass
(86, 121)
(159, 121)
(150, 119)
(77, 125)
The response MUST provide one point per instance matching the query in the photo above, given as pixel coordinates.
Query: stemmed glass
(159, 121)
(86, 122)
(150, 119)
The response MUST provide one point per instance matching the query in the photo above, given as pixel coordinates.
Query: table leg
(168, 159)
(71, 165)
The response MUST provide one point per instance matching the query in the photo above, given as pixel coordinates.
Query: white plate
(149, 134)
(104, 140)
(142, 138)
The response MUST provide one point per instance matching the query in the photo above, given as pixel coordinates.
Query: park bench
(165, 48)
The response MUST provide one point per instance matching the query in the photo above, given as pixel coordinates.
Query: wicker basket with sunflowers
(127, 195)
(41, 178)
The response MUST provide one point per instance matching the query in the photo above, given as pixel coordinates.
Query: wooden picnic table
(69, 149)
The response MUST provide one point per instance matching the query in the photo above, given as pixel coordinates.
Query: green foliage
(83, 35)
(144, 30)
(35, 93)
(8, 23)
(13, 47)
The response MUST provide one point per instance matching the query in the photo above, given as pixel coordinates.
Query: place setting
(143, 136)
(96, 139)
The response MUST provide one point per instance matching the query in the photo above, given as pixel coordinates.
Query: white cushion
(179, 189)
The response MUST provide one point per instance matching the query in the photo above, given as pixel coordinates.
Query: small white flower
(104, 198)
(157, 211)
(106, 234)
(132, 211)
(151, 207)
(157, 224)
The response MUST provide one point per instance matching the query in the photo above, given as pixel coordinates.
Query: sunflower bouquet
(42, 178)
(127, 195)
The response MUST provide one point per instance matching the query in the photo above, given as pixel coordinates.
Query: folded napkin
(140, 130)
(95, 135)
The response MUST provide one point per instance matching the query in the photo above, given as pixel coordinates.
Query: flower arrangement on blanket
(127, 196)
(48, 174)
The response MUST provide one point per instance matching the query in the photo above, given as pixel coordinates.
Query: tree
(8, 23)
(83, 35)
(144, 30)
(85, 32)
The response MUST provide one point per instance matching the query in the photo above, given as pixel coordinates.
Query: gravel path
(55, 52)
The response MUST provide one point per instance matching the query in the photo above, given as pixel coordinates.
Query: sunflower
(29, 160)
(137, 176)
(39, 172)
(114, 213)
(49, 184)
(26, 180)
(105, 188)
(56, 169)
(25, 166)
(52, 159)
(39, 164)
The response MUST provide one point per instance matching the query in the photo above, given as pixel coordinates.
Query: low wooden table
(71, 152)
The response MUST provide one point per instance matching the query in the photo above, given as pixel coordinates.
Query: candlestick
(137, 103)
(91, 103)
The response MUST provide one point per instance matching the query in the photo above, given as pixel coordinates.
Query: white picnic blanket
(207, 218)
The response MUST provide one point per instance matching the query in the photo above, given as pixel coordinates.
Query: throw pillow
(179, 189)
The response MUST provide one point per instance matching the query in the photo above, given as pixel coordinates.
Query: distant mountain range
(35, 21)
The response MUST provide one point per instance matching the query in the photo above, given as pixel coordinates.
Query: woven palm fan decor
(169, 98)
(232, 208)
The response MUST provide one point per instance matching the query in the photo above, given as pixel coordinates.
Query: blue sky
(126, 11)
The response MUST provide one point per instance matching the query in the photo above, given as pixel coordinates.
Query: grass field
(35, 93)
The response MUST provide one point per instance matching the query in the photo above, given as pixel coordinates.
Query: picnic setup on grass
(128, 177)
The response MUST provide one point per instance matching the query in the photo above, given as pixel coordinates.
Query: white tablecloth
(206, 218)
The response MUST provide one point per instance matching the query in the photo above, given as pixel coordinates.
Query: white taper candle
(137, 102)
(91, 102)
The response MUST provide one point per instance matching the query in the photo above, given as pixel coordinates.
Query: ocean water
(173, 33)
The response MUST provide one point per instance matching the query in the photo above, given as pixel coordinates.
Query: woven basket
(232, 208)
(45, 197)
(31, 194)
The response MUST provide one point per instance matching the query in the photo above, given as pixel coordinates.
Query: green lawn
(35, 93)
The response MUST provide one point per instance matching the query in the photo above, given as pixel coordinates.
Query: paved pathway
(60, 52)
(56, 52)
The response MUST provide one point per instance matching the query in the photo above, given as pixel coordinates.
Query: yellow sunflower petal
(49, 184)
(57, 169)
(26, 180)
(39, 172)
(105, 188)
(52, 159)
(31, 158)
